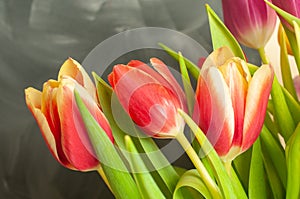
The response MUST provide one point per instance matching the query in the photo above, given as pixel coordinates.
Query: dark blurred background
(36, 36)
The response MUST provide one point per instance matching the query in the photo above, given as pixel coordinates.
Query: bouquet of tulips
(239, 125)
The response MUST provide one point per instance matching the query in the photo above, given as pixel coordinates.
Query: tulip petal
(158, 113)
(147, 69)
(74, 139)
(220, 126)
(236, 77)
(218, 57)
(256, 104)
(127, 80)
(73, 69)
(163, 69)
(33, 101)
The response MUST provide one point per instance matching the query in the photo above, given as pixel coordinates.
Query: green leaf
(285, 65)
(189, 92)
(221, 36)
(276, 153)
(273, 177)
(107, 154)
(165, 170)
(252, 68)
(293, 105)
(241, 165)
(145, 182)
(294, 46)
(257, 184)
(293, 165)
(193, 69)
(192, 181)
(237, 185)
(281, 111)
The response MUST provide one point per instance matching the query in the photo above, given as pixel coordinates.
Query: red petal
(75, 141)
(33, 100)
(154, 108)
(233, 73)
(74, 70)
(129, 79)
(163, 70)
(256, 104)
(219, 128)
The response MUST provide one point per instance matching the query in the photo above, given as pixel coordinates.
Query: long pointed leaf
(191, 180)
(144, 180)
(112, 164)
(276, 153)
(257, 184)
(281, 111)
(159, 161)
(221, 36)
(193, 69)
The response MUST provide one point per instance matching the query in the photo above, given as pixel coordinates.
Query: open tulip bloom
(231, 105)
(59, 119)
(246, 124)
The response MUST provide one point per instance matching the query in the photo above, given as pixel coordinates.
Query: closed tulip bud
(56, 113)
(150, 98)
(230, 104)
(252, 22)
(290, 6)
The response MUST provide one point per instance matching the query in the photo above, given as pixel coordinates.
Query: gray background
(36, 36)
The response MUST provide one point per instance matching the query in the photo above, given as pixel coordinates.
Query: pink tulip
(231, 105)
(150, 98)
(290, 6)
(252, 22)
(59, 119)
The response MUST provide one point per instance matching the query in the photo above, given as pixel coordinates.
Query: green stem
(211, 185)
(263, 55)
(227, 166)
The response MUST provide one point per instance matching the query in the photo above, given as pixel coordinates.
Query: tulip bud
(150, 98)
(252, 22)
(230, 104)
(290, 6)
(59, 119)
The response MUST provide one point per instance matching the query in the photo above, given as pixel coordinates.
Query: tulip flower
(150, 98)
(59, 119)
(290, 6)
(230, 104)
(252, 22)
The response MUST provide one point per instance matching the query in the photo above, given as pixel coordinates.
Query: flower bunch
(239, 125)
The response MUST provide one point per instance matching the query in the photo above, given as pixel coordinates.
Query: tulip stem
(104, 178)
(227, 166)
(263, 55)
(211, 185)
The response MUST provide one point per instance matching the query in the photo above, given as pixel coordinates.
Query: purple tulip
(290, 6)
(252, 22)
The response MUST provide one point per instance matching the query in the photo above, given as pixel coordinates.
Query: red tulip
(150, 98)
(59, 119)
(290, 6)
(231, 105)
(252, 22)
